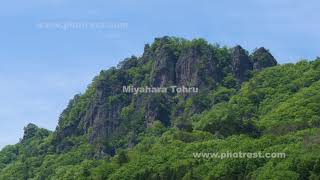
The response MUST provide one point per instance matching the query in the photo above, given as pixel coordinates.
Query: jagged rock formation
(188, 66)
(163, 73)
(105, 113)
(108, 134)
(196, 65)
(241, 63)
(262, 58)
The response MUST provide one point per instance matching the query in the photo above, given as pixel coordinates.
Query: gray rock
(262, 58)
(240, 63)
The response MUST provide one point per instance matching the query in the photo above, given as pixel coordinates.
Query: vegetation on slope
(244, 105)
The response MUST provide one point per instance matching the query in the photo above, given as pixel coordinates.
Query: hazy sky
(42, 67)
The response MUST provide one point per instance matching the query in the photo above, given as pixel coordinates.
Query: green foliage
(277, 100)
(277, 110)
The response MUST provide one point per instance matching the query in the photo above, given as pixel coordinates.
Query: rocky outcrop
(102, 117)
(163, 73)
(98, 113)
(190, 66)
(240, 63)
(262, 58)
(195, 66)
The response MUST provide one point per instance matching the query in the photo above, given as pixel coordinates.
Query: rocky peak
(104, 112)
(183, 63)
(165, 58)
(262, 58)
(240, 63)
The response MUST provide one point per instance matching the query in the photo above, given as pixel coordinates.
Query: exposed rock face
(105, 121)
(240, 63)
(194, 67)
(185, 70)
(262, 58)
(164, 67)
(103, 114)
(100, 116)
(166, 62)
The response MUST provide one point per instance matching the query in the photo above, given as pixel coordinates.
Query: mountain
(230, 101)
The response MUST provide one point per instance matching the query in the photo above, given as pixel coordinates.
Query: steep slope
(105, 113)
(246, 102)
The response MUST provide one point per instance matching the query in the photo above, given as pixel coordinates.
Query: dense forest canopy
(246, 102)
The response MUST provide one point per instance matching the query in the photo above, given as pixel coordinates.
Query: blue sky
(42, 68)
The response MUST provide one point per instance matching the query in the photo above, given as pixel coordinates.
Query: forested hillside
(246, 102)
